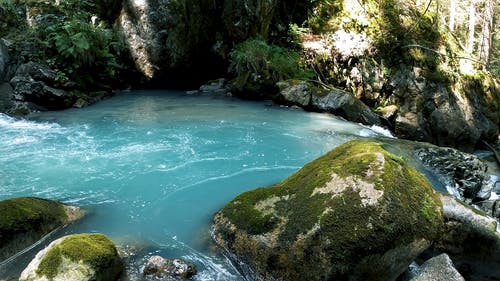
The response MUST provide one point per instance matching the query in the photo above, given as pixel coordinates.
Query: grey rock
(489, 185)
(438, 268)
(4, 60)
(343, 104)
(6, 95)
(336, 101)
(471, 240)
(458, 170)
(37, 72)
(167, 269)
(216, 86)
(35, 83)
(429, 111)
(491, 207)
(295, 92)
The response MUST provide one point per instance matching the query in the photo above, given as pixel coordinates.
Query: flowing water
(152, 167)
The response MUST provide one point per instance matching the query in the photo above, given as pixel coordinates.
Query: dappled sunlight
(138, 45)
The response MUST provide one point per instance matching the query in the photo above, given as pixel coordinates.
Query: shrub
(10, 18)
(259, 65)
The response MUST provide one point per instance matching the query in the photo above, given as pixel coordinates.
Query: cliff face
(187, 42)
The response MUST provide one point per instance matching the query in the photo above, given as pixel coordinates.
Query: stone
(491, 207)
(438, 268)
(295, 92)
(358, 213)
(26, 220)
(460, 171)
(163, 268)
(78, 257)
(35, 83)
(470, 239)
(38, 72)
(4, 60)
(335, 101)
(217, 87)
(6, 96)
(342, 103)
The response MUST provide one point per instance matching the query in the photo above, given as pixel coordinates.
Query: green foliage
(80, 45)
(100, 253)
(10, 18)
(254, 61)
(322, 12)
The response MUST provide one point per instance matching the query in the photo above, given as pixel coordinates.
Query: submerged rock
(79, 257)
(357, 213)
(25, 220)
(168, 269)
(438, 268)
(461, 171)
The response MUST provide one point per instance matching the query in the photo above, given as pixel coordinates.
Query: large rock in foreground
(356, 213)
(25, 220)
(471, 240)
(79, 257)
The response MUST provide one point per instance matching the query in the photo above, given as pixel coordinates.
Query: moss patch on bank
(28, 214)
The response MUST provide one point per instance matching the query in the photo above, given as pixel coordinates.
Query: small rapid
(152, 167)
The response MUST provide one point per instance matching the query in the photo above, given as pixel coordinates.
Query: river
(152, 167)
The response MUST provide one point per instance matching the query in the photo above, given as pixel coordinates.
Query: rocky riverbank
(154, 44)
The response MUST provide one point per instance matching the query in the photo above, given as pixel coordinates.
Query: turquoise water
(152, 167)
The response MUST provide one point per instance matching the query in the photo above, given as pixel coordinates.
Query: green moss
(242, 212)
(99, 253)
(27, 214)
(406, 209)
(353, 159)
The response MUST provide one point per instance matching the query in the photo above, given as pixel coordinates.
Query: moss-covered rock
(357, 213)
(25, 220)
(76, 257)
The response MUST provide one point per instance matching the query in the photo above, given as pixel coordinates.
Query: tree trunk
(472, 25)
(487, 32)
(453, 11)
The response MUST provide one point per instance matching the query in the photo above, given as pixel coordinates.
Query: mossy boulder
(356, 213)
(25, 220)
(78, 257)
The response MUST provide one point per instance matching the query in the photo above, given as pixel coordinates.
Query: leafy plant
(10, 18)
(259, 65)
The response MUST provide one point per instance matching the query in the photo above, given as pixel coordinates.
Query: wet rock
(490, 207)
(168, 269)
(78, 257)
(26, 220)
(36, 83)
(470, 239)
(343, 104)
(335, 101)
(4, 60)
(438, 268)
(357, 213)
(6, 93)
(217, 86)
(462, 172)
